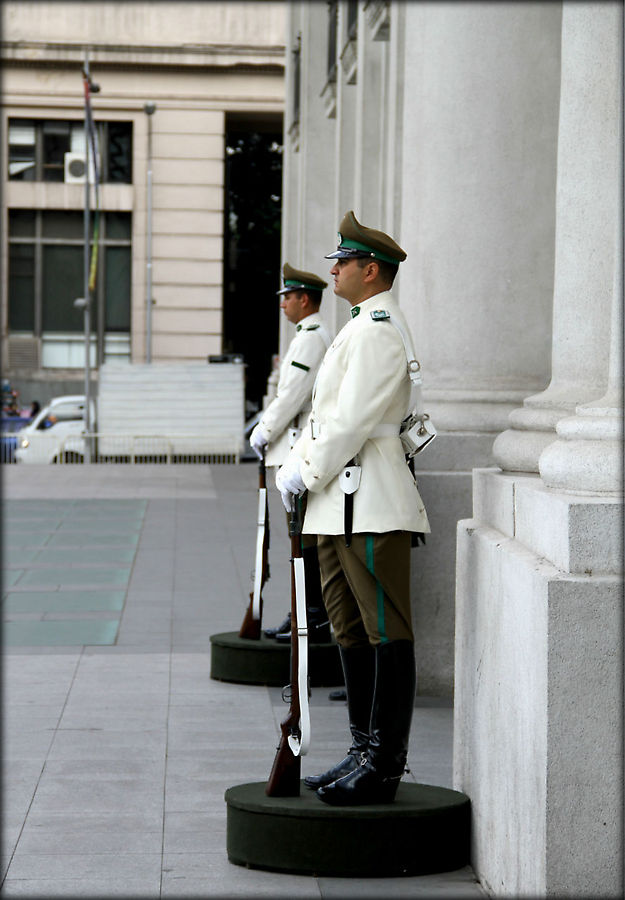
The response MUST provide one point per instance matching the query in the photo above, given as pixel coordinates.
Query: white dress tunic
(295, 383)
(362, 383)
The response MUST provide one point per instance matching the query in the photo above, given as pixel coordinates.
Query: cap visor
(293, 287)
(347, 254)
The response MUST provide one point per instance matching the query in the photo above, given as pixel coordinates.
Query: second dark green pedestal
(267, 662)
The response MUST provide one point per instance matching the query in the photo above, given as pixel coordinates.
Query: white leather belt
(385, 429)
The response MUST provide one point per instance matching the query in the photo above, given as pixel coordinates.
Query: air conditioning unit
(75, 168)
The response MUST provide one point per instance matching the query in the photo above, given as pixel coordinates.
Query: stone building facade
(486, 139)
(199, 65)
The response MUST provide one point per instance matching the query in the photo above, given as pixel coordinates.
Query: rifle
(250, 628)
(284, 780)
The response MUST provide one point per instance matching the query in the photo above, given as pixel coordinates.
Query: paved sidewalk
(118, 746)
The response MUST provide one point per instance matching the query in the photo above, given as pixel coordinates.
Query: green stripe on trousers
(378, 587)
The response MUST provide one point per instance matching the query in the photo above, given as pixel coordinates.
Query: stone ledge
(576, 533)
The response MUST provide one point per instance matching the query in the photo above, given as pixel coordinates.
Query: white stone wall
(539, 722)
(538, 699)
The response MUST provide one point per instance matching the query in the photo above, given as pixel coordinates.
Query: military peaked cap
(297, 280)
(356, 240)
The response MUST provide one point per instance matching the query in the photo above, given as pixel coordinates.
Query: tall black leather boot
(377, 778)
(359, 671)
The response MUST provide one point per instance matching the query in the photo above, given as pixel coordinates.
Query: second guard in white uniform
(281, 422)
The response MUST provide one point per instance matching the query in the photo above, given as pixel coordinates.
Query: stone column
(396, 56)
(308, 227)
(588, 454)
(370, 131)
(478, 161)
(587, 211)
(480, 140)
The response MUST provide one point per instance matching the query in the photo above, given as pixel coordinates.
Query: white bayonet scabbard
(299, 746)
(260, 538)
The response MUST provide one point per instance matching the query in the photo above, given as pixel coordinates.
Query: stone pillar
(370, 131)
(588, 454)
(480, 140)
(308, 229)
(396, 56)
(478, 159)
(587, 209)
(539, 621)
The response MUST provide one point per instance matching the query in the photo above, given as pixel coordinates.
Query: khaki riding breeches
(366, 587)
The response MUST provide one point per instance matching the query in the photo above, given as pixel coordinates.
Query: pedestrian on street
(281, 422)
(361, 396)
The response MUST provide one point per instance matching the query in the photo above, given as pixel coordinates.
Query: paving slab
(118, 753)
(72, 631)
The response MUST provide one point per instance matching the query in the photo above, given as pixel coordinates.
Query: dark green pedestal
(266, 662)
(425, 830)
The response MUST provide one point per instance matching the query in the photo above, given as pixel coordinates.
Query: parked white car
(56, 434)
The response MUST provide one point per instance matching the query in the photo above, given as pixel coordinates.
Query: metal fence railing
(42, 447)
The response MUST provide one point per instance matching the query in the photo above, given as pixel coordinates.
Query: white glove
(289, 481)
(258, 440)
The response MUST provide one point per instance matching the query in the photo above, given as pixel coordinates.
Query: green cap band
(355, 245)
(300, 286)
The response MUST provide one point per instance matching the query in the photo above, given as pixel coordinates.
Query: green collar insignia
(355, 311)
(298, 327)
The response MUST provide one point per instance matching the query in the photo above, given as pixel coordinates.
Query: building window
(333, 10)
(349, 54)
(42, 150)
(352, 19)
(297, 78)
(46, 275)
(378, 13)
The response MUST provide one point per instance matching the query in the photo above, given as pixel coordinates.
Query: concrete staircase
(191, 408)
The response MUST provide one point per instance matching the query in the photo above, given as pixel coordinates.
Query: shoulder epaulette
(379, 315)
(300, 366)
(312, 327)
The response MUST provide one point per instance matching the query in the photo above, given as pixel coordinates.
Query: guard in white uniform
(281, 422)
(361, 396)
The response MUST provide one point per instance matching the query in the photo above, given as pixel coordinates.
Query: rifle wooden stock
(250, 628)
(284, 780)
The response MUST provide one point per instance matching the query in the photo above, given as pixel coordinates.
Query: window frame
(40, 165)
(38, 240)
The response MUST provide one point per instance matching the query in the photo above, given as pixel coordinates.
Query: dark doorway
(252, 211)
